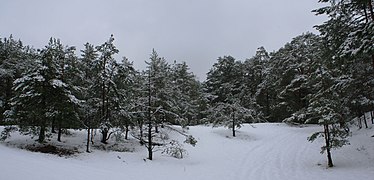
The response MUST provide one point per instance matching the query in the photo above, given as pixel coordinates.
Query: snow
(56, 83)
(260, 151)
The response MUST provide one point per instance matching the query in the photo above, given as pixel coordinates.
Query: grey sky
(195, 31)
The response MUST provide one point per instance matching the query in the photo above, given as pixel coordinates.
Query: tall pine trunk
(59, 131)
(88, 139)
(127, 131)
(328, 146)
(92, 136)
(53, 125)
(365, 122)
(149, 148)
(156, 129)
(233, 123)
(104, 138)
(141, 132)
(42, 133)
(359, 122)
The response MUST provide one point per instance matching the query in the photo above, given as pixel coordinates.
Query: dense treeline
(325, 79)
(53, 89)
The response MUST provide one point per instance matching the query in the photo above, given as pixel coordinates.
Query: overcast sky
(195, 31)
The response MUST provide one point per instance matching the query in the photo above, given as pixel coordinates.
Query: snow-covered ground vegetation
(259, 151)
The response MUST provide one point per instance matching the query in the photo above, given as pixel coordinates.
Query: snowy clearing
(260, 151)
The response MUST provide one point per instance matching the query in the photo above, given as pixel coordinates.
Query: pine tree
(224, 84)
(224, 79)
(283, 90)
(14, 60)
(41, 95)
(230, 114)
(186, 94)
(89, 110)
(254, 73)
(347, 35)
(356, 20)
(106, 69)
(326, 108)
(158, 100)
(124, 92)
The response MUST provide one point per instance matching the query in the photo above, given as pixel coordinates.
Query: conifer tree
(41, 95)
(106, 65)
(14, 60)
(223, 83)
(326, 108)
(186, 94)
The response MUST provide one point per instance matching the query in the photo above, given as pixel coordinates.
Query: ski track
(273, 158)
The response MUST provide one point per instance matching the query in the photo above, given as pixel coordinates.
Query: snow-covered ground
(260, 151)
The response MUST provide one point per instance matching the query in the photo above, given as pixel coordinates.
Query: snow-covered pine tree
(14, 60)
(326, 108)
(223, 83)
(253, 75)
(348, 36)
(158, 97)
(106, 66)
(41, 95)
(352, 21)
(157, 102)
(300, 54)
(231, 115)
(186, 94)
(224, 79)
(124, 95)
(89, 109)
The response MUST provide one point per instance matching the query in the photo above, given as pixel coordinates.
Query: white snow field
(259, 152)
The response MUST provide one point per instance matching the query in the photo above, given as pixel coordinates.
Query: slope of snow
(260, 151)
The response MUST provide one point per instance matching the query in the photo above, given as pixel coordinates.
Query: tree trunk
(156, 129)
(53, 126)
(92, 136)
(359, 122)
(372, 117)
(328, 146)
(59, 131)
(88, 139)
(59, 134)
(341, 121)
(141, 132)
(41, 134)
(233, 124)
(103, 93)
(104, 133)
(127, 131)
(366, 124)
(150, 151)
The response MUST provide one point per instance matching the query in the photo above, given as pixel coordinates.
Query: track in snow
(283, 152)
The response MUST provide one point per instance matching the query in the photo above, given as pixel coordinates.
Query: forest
(325, 78)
